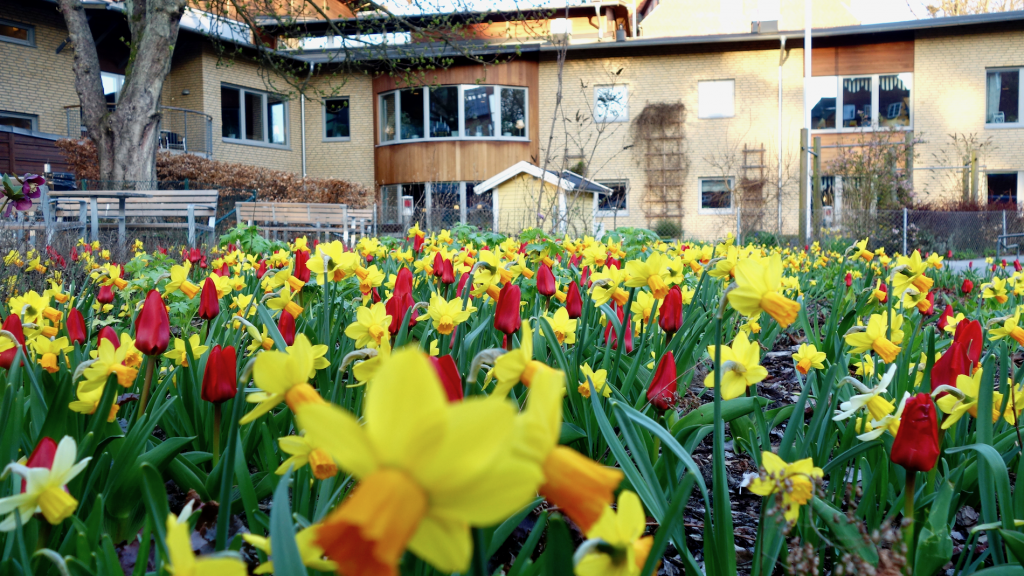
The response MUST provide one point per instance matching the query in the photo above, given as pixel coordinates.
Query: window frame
(30, 41)
(1020, 99)
(323, 118)
(717, 117)
(618, 118)
(624, 182)
(875, 94)
(33, 118)
(731, 180)
(427, 91)
(265, 142)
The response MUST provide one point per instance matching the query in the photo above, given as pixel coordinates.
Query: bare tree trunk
(126, 139)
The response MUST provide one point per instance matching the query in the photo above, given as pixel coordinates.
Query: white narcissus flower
(44, 488)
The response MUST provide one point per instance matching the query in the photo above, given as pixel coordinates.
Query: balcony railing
(181, 130)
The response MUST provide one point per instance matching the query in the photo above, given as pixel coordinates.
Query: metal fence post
(904, 231)
(1004, 222)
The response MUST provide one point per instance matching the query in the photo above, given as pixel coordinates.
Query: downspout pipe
(302, 121)
(782, 60)
(807, 113)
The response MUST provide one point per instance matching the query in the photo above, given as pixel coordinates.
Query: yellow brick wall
(944, 107)
(37, 80)
(713, 146)
(352, 160)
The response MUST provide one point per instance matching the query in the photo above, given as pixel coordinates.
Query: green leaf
(934, 546)
(557, 558)
(502, 532)
(1014, 543)
(731, 409)
(1004, 570)
(154, 496)
(845, 532)
(570, 433)
(283, 549)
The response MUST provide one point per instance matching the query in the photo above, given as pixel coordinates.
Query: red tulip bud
(967, 286)
(286, 326)
(220, 380)
(152, 326)
(573, 301)
(301, 270)
(438, 264)
(41, 457)
(76, 327)
(448, 373)
(13, 325)
(261, 269)
(849, 279)
(462, 283)
(107, 333)
(611, 336)
(662, 391)
(670, 315)
(417, 243)
(1017, 266)
(506, 313)
(447, 273)
(396, 307)
(942, 323)
(105, 295)
(916, 446)
(403, 281)
(209, 303)
(545, 281)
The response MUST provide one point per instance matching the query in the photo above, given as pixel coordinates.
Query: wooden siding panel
(863, 59)
(21, 154)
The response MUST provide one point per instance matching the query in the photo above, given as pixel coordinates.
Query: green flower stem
(144, 399)
(908, 518)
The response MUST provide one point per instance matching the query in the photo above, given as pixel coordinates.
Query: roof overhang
(565, 182)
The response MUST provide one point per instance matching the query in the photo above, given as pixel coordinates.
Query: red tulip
(545, 281)
(417, 243)
(462, 283)
(662, 391)
(585, 277)
(916, 446)
(209, 303)
(968, 332)
(573, 301)
(13, 325)
(612, 337)
(152, 326)
(670, 315)
(375, 294)
(930, 309)
(849, 279)
(506, 312)
(76, 327)
(41, 457)
(107, 333)
(448, 372)
(967, 286)
(403, 281)
(396, 307)
(614, 263)
(286, 326)
(301, 270)
(194, 255)
(1017, 266)
(220, 380)
(438, 264)
(261, 269)
(942, 323)
(105, 295)
(447, 273)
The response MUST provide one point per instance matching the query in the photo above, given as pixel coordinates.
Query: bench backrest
(161, 204)
(326, 215)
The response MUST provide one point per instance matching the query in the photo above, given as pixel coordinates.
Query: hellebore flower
(152, 326)
(220, 379)
(662, 390)
(916, 446)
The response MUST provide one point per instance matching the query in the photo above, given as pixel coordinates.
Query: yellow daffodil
(311, 554)
(873, 338)
(1009, 328)
(870, 399)
(652, 273)
(758, 287)
(49, 351)
(598, 378)
(794, 482)
(995, 290)
(741, 367)
(371, 326)
(179, 281)
(605, 287)
(44, 488)
(563, 326)
(179, 354)
(445, 315)
(517, 365)
(182, 559)
(616, 545)
(283, 377)
(284, 301)
(807, 357)
(301, 452)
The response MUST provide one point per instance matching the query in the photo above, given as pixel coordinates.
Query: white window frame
(323, 119)
(874, 105)
(612, 213)
(700, 195)
(21, 116)
(265, 142)
(30, 41)
(604, 119)
(462, 116)
(1020, 99)
(704, 116)
(118, 80)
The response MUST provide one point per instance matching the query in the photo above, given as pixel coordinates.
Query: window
(17, 33)
(616, 201)
(716, 195)
(466, 111)
(112, 84)
(253, 117)
(1002, 188)
(25, 121)
(611, 103)
(336, 119)
(716, 99)
(1002, 97)
(861, 102)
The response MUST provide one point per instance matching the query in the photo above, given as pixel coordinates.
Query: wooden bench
(196, 208)
(308, 218)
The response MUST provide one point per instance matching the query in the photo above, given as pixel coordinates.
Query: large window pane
(1003, 97)
(444, 112)
(479, 208)
(823, 91)
(253, 112)
(513, 112)
(857, 102)
(894, 100)
(481, 108)
(387, 117)
(411, 102)
(336, 120)
(276, 120)
(230, 112)
(716, 194)
(616, 201)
